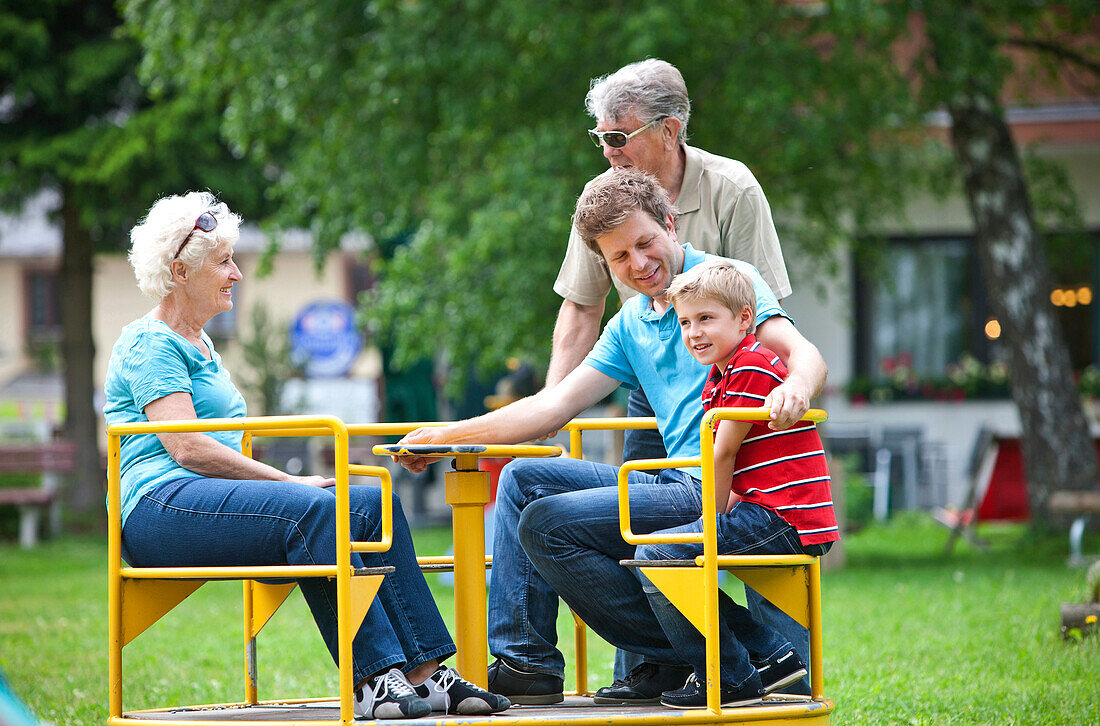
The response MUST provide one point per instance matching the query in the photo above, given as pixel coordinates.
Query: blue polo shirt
(150, 361)
(642, 348)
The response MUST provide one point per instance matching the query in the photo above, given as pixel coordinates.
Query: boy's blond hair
(719, 280)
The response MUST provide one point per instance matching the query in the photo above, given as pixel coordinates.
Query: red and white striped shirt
(784, 471)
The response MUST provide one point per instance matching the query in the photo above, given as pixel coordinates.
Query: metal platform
(575, 711)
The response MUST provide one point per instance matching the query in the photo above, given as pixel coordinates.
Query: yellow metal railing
(576, 429)
(709, 561)
(166, 586)
(262, 600)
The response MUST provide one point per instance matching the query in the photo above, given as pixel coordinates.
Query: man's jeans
(558, 519)
(647, 444)
(748, 529)
(194, 522)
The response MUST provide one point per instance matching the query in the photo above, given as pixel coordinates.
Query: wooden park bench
(50, 460)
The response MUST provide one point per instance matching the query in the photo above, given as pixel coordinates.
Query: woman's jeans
(565, 514)
(197, 522)
(748, 529)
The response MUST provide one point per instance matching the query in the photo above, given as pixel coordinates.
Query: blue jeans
(194, 522)
(557, 533)
(748, 529)
(647, 444)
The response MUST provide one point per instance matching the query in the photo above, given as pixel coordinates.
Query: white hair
(155, 241)
(652, 89)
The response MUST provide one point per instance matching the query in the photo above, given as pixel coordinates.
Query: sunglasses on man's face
(206, 222)
(617, 139)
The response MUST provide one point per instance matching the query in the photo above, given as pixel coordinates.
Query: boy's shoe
(527, 689)
(643, 684)
(694, 694)
(781, 670)
(449, 692)
(389, 696)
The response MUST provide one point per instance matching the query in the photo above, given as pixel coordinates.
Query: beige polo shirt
(722, 211)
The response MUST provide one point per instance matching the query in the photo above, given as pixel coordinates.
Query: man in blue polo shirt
(565, 511)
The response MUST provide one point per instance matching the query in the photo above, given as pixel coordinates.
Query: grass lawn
(911, 636)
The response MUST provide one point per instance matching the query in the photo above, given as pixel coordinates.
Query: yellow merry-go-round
(139, 596)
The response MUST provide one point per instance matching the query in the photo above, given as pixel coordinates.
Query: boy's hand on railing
(788, 403)
(418, 464)
(314, 481)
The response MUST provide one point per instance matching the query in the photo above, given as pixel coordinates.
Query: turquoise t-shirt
(150, 361)
(643, 349)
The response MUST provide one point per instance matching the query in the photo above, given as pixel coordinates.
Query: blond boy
(771, 488)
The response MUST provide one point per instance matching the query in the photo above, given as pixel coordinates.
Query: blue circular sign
(324, 339)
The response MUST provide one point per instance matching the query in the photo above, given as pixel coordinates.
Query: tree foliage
(75, 119)
(461, 124)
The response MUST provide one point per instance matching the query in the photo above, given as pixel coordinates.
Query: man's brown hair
(612, 197)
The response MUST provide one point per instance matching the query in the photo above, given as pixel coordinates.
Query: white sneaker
(449, 692)
(389, 696)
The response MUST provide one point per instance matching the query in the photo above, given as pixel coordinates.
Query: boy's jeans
(748, 529)
(647, 444)
(566, 514)
(214, 522)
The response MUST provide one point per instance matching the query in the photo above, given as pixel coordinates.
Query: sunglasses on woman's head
(206, 222)
(617, 139)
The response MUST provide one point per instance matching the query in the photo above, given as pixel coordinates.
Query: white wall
(12, 359)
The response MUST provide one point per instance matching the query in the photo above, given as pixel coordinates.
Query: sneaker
(694, 694)
(389, 696)
(644, 684)
(527, 689)
(781, 670)
(449, 692)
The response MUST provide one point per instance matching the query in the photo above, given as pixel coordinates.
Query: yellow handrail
(708, 537)
(252, 427)
(579, 425)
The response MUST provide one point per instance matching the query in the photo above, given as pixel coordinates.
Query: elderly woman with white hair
(192, 499)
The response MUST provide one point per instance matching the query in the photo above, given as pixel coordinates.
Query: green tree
(268, 362)
(74, 119)
(963, 67)
(461, 123)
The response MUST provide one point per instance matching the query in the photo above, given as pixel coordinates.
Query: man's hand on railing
(426, 435)
(788, 402)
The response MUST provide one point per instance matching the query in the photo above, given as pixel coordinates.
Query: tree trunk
(1057, 446)
(86, 491)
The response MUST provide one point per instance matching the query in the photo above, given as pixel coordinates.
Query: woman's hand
(313, 481)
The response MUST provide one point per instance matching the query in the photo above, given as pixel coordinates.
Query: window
(925, 314)
(360, 278)
(43, 310)
(924, 310)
